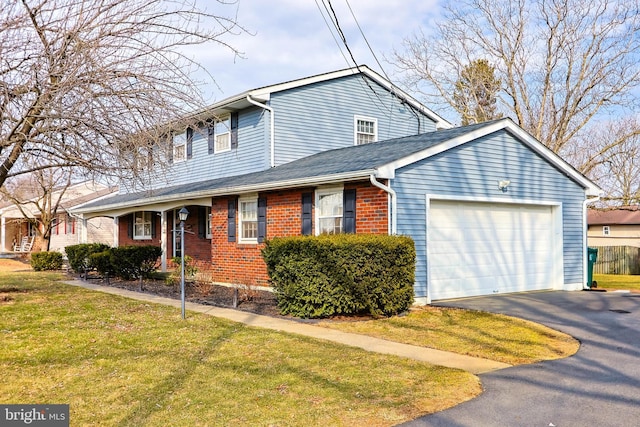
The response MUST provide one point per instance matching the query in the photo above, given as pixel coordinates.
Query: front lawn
(474, 333)
(129, 363)
(617, 282)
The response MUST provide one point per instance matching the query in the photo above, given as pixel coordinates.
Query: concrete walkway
(474, 365)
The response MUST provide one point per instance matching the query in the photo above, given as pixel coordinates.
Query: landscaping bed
(246, 299)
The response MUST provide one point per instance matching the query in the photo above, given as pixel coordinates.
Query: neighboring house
(614, 227)
(491, 210)
(67, 229)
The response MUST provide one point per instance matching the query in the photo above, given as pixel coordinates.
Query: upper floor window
(222, 134)
(606, 231)
(248, 219)
(142, 225)
(180, 147)
(366, 130)
(329, 211)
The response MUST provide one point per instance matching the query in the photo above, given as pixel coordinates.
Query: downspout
(393, 227)
(585, 254)
(272, 124)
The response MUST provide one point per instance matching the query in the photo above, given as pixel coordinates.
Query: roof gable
(263, 94)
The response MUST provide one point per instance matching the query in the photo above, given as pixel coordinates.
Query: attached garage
(486, 248)
(491, 211)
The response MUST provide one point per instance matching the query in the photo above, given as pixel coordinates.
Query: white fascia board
(196, 198)
(591, 189)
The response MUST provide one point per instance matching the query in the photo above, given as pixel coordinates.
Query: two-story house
(489, 208)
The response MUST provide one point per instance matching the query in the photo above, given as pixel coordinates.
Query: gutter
(224, 191)
(272, 124)
(393, 223)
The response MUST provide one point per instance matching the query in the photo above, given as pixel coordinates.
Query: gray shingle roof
(349, 160)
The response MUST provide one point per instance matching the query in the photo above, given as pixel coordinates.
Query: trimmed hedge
(79, 255)
(135, 262)
(41, 261)
(342, 274)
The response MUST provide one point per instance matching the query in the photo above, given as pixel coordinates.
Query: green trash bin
(592, 256)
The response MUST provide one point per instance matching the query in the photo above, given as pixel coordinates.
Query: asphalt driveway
(598, 386)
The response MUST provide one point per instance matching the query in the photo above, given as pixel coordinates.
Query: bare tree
(561, 62)
(475, 93)
(88, 83)
(38, 197)
(610, 154)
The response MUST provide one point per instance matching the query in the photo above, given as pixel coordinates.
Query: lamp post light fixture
(182, 215)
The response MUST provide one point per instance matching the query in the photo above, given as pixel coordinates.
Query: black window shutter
(262, 219)
(349, 211)
(234, 130)
(130, 219)
(231, 220)
(153, 225)
(170, 148)
(307, 214)
(211, 137)
(189, 143)
(202, 222)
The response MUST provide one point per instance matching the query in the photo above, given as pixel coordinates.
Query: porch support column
(3, 234)
(163, 241)
(116, 232)
(83, 230)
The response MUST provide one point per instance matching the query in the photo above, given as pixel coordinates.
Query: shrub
(135, 262)
(41, 261)
(102, 263)
(341, 274)
(79, 255)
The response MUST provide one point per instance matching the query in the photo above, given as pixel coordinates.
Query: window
(606, 231)
(366, 130)
(70, 225)
(142, 225)
(222, 134)
(180, 147)
(248, 219)
(329, 211)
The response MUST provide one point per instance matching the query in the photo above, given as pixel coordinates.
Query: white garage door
(482, 248)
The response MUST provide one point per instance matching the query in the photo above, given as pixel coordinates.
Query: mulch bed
(251, 300)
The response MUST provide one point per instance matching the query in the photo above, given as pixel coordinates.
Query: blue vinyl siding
(320, 116)
(473, 170)
(252, 154)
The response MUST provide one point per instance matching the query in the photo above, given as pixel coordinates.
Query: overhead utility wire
(393, 92)
(332, 34)
(346, 45)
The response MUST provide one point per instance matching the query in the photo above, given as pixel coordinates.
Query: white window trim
(221, 119)
(182, 145)
(321, 192)
(150, 222)
(366, 119)
(241, 200)
(606, 230)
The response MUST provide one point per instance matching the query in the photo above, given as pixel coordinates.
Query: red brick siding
(240, 263)
(196, 247)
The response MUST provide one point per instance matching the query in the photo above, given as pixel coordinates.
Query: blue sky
(292, 40)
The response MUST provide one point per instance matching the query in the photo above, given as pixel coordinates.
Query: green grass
(490, 336)
(617, 281)
(119, 362)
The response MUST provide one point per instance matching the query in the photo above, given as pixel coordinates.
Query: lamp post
(182, 215)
